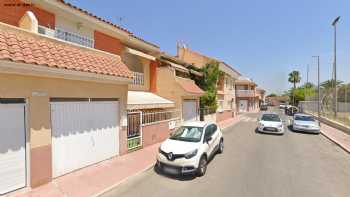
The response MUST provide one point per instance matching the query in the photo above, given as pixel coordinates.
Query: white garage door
(189, 110)
(83, 133)
(12, 147)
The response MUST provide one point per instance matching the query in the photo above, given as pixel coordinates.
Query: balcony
(67, 36)
(245, 93)
(139, 78)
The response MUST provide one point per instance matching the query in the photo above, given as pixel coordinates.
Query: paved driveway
(256, 164)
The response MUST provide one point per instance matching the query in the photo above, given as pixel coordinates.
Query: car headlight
(261, 124)
(280, 126)
(191, 154)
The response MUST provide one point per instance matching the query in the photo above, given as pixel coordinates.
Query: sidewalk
(103, 176)
(229, 122)
(97, 178)
(337, 136)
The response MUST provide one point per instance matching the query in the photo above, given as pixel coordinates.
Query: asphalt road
(254, 164)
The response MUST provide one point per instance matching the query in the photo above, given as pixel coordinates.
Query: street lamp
(319, 87)
(335, 99)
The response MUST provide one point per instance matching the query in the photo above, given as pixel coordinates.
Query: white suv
(189, 148)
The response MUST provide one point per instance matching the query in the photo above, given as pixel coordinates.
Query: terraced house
(249, 97)
(226, 86)
(75, 90)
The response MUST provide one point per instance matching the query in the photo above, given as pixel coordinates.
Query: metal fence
(160, 116)
(339, 111)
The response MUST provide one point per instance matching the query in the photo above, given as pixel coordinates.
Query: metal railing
(327, 110)
(245, 93)
(139, 78)
(67, 36)
(159, 116)
(134, 130)
(75, 38)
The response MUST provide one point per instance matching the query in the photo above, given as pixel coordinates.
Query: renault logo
(170, 156)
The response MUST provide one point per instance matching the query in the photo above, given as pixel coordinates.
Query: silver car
(305, 123)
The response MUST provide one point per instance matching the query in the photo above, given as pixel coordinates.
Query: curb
(140, 172)
(336, 142)
(123, 181)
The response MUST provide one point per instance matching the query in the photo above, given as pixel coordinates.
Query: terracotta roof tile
(189, 86)
(31, 49)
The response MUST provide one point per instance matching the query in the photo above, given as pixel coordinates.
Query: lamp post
(335, 94)
(319, 87)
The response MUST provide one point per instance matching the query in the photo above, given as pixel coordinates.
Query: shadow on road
(180, 177)
(271, 134)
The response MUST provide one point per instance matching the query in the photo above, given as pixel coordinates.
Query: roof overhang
(20, 68)
(177, 66)
(101, 25)
(189, 87)
(229, 70)
(147, 100)
(139, 53)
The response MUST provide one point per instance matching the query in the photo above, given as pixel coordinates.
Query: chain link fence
(339, 112)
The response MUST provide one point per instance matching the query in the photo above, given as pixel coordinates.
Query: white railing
(160, 116)
(67, 36)
(245, 93)
(75, 38)
(139, 78)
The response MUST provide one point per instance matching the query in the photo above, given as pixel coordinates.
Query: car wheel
(221, 146)
(202, 167)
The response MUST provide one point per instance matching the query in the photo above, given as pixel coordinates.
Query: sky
(264, 40)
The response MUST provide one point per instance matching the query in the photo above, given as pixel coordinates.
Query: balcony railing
(245, 93)
(139, 78)
(67, 36)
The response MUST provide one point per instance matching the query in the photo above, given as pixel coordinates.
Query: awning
(147, 100)
(139, 53)
(177, 66)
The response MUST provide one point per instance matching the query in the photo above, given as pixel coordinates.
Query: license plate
(270, 129)
(169, 170)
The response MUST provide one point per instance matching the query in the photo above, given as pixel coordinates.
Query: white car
(282, 106)
(189, 148)
(270, 123)
(305, 123)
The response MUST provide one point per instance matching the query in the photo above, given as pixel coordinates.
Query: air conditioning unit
(46, 31)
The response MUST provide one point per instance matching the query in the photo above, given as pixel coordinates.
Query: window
(210, 130)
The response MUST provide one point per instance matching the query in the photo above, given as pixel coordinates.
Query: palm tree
(294, 77)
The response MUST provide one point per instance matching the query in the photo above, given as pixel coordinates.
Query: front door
(189, 110)
(243, 105)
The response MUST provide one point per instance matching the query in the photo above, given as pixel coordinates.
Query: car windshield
(188, 134)
(271, 118)
(304, 118)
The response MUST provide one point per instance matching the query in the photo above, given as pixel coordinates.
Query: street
(254, 164)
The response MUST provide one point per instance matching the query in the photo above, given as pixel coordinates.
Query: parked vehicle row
(271, 122)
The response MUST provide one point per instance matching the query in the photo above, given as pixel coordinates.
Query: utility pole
(307, 81)
(335, 94)
(319, 87)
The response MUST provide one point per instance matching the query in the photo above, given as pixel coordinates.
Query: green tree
(294, 77)
(327, 88)
(208, 82)
(272, 95)
(344, 93)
